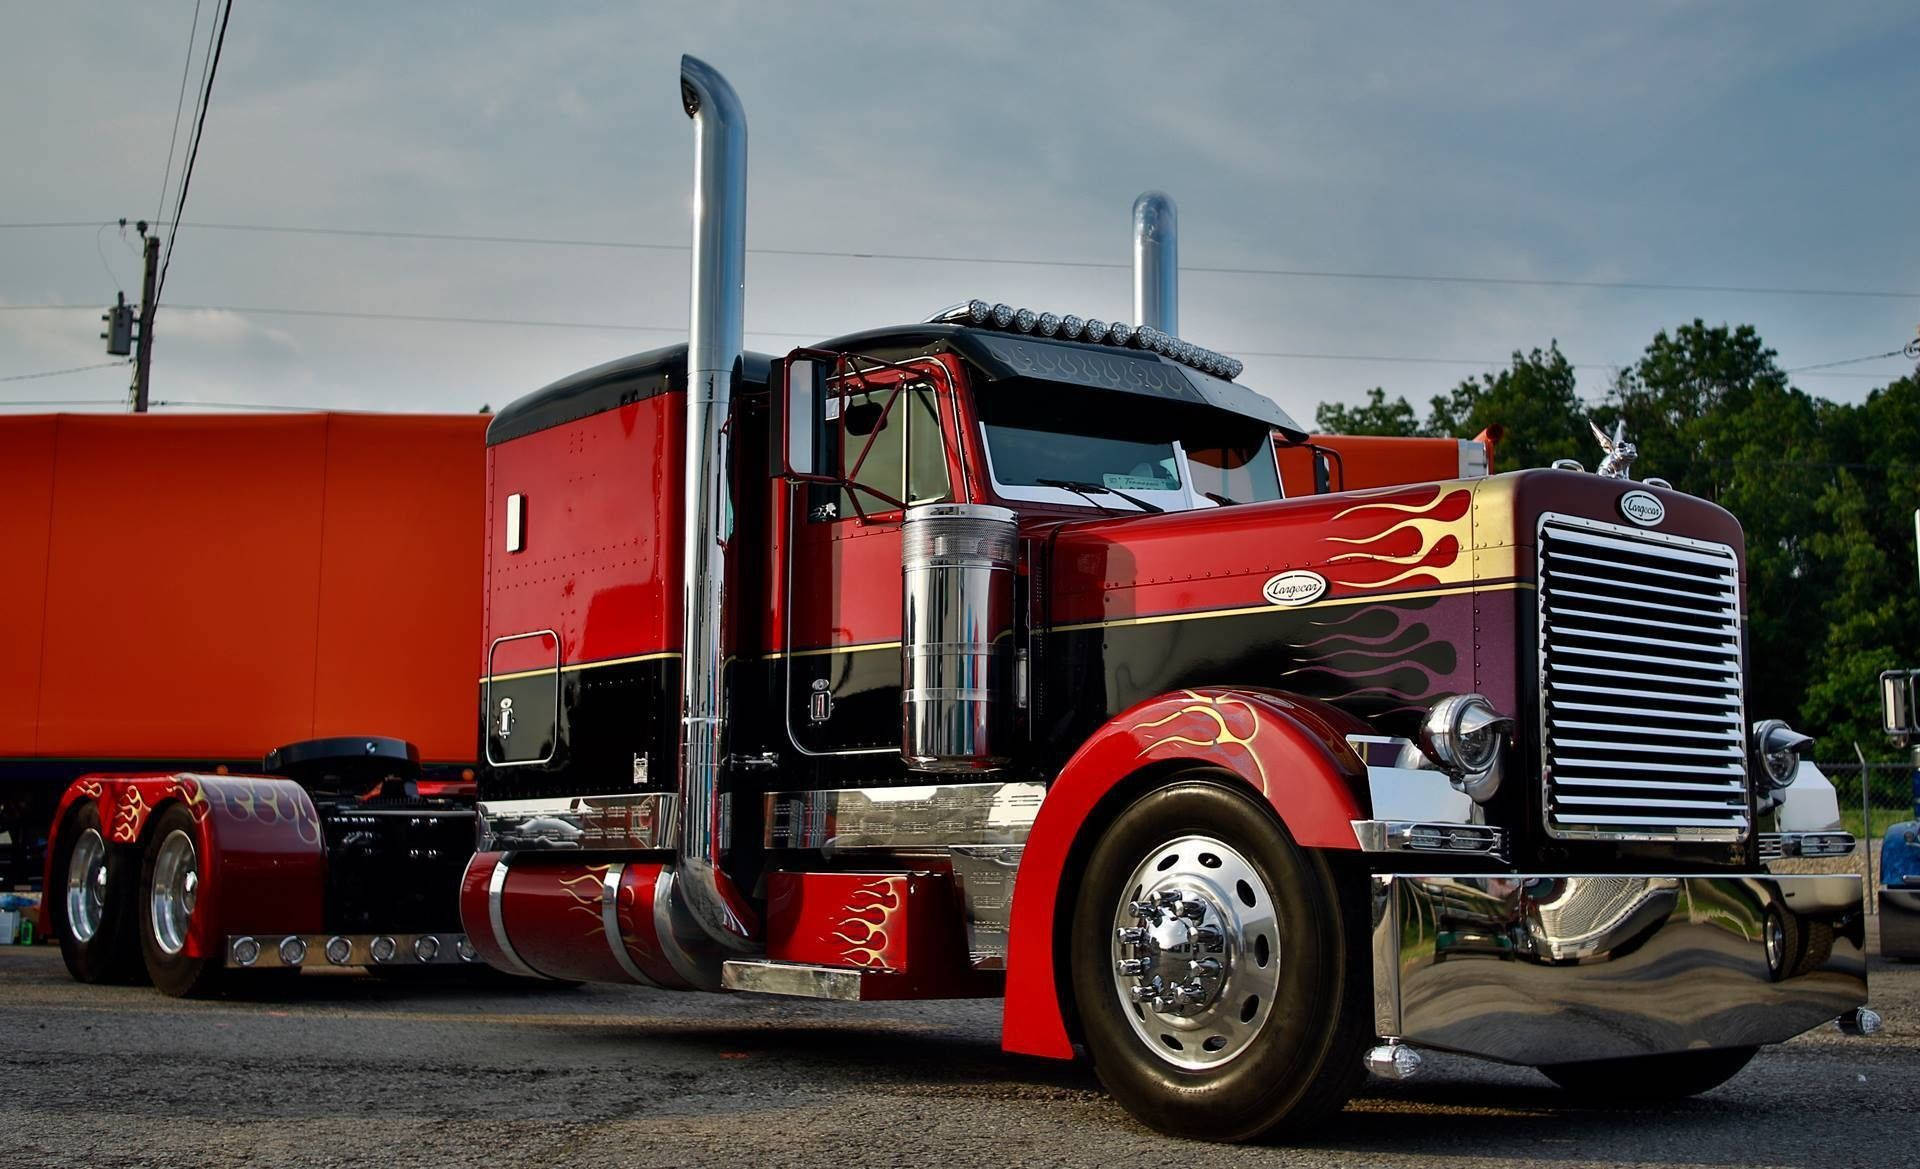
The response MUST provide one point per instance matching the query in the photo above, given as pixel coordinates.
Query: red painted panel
(218, 586)
(262, 857)
(1367, 461)
(839, 919)
(1291, 751)
(182, 552)
(554, 920)
(1363, 544)
(601, 562)
(639, 883)
(26, 487)
(400, 579)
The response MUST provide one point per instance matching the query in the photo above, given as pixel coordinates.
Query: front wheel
(1673, 1076)
(170, 880)
(1214, 969)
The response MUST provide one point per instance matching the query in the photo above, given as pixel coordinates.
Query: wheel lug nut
(1204, 967)
(1132, 936)
(1145, 911)
(1193, 909)
(1209, 936)
(1133, 967)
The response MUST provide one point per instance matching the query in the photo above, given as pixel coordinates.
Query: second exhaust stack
(1156, 263)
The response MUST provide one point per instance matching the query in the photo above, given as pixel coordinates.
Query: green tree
(1378, 416)
(1533, 399)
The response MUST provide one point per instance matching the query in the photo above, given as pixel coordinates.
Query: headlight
(1776, 751)
(1463, 734)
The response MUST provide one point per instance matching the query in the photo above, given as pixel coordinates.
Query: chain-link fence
(1873, 799)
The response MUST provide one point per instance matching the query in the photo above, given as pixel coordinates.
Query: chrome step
(765, 976)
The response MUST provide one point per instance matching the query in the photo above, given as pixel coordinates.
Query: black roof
(1000, 354)
(995, 353)
(616, 383)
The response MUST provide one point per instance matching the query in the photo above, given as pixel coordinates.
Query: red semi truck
(189, 596)
(987, 656)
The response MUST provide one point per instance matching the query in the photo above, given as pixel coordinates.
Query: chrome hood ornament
(1619, 453)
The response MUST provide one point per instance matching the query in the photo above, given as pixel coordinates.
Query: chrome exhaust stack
(1156, 263)
(714, 348)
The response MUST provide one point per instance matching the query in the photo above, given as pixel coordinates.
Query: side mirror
(802, 391)
(1897, 704)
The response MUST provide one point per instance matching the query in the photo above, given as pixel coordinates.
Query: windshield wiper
(1081, 488)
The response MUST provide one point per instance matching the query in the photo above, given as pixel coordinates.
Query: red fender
(262, 857)
(1291, 750)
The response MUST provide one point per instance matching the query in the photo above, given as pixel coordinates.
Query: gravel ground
(338, 1069)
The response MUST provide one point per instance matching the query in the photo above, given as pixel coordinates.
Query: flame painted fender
(263, 862)
(1291, 750)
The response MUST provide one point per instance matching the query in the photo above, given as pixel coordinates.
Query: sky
(1746, 145)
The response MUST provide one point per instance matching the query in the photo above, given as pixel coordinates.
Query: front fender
(1289, 750)
(262, 854)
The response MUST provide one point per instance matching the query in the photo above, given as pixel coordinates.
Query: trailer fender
(262, 854)
(1291, 751)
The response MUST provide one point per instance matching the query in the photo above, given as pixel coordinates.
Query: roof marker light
(980, 314)
(1002, 315)
(1048, 325)
(1024, 320)
(1070, 327)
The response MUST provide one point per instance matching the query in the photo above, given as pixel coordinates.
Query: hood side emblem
(1294, 588)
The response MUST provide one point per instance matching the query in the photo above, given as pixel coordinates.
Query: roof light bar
(1004, 316)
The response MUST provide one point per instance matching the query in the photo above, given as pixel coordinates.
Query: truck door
(842, 684)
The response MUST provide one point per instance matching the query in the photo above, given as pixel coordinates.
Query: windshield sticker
(1294, 588)
(1137, 483)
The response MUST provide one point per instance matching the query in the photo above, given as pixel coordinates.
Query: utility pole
(143, 359)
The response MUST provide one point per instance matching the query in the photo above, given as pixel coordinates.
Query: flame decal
(1212, 722)
(867, 925)
(585, 892)
(1423, 538)
(129, 815)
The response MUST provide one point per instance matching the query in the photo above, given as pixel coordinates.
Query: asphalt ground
(344, 1069)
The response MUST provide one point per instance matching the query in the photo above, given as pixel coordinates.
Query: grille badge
(1643, 508)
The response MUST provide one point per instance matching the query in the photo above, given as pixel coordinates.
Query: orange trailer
(186, 593)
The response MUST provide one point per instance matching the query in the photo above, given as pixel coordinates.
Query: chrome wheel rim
(176, 885)
(1196, 952)
(87, 886)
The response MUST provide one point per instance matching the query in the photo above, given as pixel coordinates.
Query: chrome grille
(1642, 722)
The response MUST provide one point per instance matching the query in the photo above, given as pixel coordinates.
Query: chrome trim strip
(929, 817)
(791, 978)
(1420, 837)
(1785, 845)
(985, 875)
(610, 922)
(645, 821)
(496, 882)
(441, 949)
(1539, 969)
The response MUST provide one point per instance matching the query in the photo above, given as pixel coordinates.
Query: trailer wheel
(1672, 1076)
(91, 903)
(1214, 969)
(170, 876)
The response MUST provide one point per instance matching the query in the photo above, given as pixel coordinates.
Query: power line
(21, 377)
(193, 150)
(816, 335)
(179, 102)
(1106, 265)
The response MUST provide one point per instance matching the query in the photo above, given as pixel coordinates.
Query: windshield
(1061, 445)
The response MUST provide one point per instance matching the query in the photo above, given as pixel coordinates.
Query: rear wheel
(1213, 969)
(170, 879)
(1673, 1076)
(91, 903)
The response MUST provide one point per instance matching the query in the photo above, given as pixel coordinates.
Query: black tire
(1645, 1078)
(111, 954)
(172, 970)
(1303, 1059)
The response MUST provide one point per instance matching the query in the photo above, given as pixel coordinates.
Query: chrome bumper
(1551, 969)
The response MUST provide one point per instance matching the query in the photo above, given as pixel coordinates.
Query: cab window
(907, 460)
